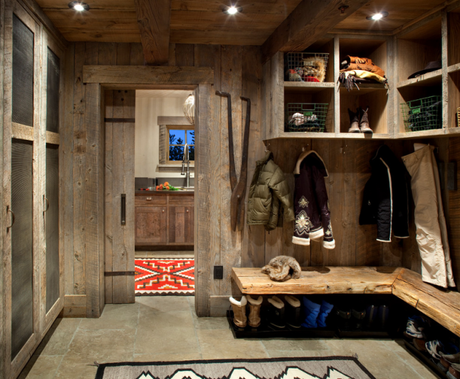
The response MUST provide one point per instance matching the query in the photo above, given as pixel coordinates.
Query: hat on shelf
(431, 66)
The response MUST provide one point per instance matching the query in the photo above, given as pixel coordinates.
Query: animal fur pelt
(282, 268)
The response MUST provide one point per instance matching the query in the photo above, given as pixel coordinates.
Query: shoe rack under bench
(443, 306)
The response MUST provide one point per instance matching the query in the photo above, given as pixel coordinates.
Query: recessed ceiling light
(377, 16)
(79, 6)
(232, 10)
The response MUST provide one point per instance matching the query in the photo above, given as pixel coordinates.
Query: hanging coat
(386, 196)
(311, 205)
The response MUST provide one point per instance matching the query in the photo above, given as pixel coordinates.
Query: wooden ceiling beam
(308, 23)
(153, 19)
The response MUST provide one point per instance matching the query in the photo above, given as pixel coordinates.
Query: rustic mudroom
(322, 211)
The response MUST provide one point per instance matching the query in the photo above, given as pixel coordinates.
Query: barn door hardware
(238, 187)
(123, 209)
(13, 219)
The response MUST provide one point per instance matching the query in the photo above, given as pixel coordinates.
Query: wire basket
(306, 117)
(422, 114)
(305, 67)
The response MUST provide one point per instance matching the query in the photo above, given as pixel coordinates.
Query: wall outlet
(218, 272)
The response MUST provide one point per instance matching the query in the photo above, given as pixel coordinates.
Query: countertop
(162, 193)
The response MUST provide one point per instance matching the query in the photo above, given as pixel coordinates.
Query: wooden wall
(237, 70)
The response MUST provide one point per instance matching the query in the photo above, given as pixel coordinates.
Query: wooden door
(181, 220)
(119, 195)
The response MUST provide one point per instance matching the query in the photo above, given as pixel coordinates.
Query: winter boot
(311, 312)
(276, 313)
(354, 122)
(383, 314)
(324, 311)
(364, 121)
(371, 317)
(293, 311)
(343, 319)
(254, 311)
(239, 312)
(358, 316)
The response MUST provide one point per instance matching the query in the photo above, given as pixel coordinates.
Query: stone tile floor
(166, 328)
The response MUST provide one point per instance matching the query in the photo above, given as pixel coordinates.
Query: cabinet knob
(148, 198)
(187, 210)
(163, 210)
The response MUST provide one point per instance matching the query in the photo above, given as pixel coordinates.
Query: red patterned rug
(164, 276)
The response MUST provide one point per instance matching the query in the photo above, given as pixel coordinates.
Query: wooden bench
(441, 306)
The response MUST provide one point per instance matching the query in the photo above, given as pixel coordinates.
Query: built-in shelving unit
(400, 55)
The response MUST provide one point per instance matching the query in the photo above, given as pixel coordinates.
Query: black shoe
(276, 310)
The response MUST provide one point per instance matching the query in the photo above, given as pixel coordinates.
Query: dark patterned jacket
(386, 196)
(311, 206)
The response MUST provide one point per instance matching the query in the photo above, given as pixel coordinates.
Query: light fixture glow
(232, 10)
(377, 16)
(78, 6)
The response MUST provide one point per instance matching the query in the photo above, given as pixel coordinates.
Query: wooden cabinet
(165, 220)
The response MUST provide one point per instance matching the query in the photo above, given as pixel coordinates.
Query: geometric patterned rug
(156, 277)
(272, 368)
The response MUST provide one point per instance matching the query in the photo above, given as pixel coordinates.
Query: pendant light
(189, 109)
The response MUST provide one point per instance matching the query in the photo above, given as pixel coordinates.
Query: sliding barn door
(119, 195)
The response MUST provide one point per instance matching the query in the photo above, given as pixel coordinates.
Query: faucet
(185, 160)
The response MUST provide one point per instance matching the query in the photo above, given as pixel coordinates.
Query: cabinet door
(151, 224)
(181, 227)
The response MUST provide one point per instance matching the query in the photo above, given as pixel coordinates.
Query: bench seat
(442, 306)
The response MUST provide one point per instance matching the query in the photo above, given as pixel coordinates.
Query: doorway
(142, 222)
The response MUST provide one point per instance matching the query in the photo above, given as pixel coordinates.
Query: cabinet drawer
(150, 201)
(182, 200)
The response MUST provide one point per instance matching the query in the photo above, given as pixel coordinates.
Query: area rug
(274, 368)
(155, 277)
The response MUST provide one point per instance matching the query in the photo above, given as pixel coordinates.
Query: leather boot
(254, 311)
(364, 121)
(239, 312)
(358, 316)
(276, 313)
(293, 311)
(371, 317)
(354, 122)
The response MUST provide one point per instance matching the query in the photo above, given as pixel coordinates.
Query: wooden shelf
(453, 68)
(365, 136)
(319, 280)
(308, 86)
(364, 88)
(428, 79)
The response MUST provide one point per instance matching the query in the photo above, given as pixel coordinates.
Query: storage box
(306, 117)
(422, 114)
(305, 67)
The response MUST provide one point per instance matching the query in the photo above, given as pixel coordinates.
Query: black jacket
(386, 196)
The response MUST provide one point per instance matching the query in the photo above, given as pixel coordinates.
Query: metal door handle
(148, 198)
(13, 219)
(123, 209)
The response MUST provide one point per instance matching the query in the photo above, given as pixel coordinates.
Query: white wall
(149, 105)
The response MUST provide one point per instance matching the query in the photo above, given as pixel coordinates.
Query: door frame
(101, 78)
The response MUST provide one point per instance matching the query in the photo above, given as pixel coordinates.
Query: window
(178, 137)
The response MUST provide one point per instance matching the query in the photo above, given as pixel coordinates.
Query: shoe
(412, 331)
(293, 311)
(383, 315)
(436, 347)
(450, 358)
(324, 311)
(276, 313)
(419, 343)
(358, 317)
(311, 312)
(343, 319)
(239, 312)
(364, 121)
(454, 371)
(354, 122)
(254, 311)
(371, 317)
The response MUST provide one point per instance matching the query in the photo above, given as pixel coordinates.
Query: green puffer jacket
(268, 190)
